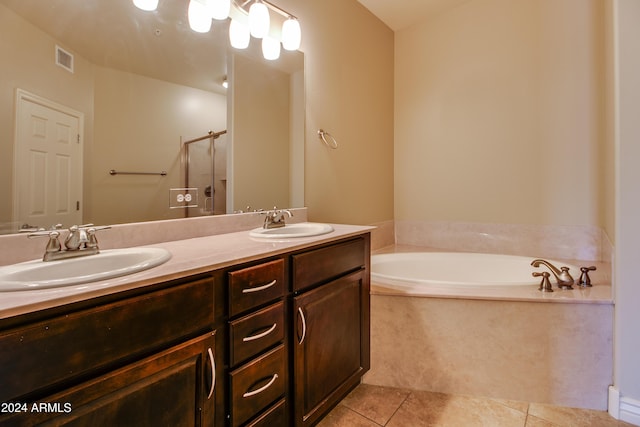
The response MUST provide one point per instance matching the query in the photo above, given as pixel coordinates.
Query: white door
(48, 163)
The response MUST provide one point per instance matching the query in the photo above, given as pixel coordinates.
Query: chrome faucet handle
(91, 235)
(545, 284)
(585, 280)
(53, 245)
(92, 242)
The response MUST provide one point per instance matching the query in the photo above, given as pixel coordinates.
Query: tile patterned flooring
(374, 406)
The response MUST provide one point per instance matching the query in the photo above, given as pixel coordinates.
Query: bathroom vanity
(276, 337)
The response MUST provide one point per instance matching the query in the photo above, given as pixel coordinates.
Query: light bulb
(259, 20)
(220, 9)
(270, 48)
(199, 16)
(148, 5)
(291, 34)
(239, 35)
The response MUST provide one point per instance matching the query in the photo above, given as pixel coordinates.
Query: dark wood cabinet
(258, 355)
(331, 345)
(143, 360)
(331, 326)
(172, 388)
(269, 343)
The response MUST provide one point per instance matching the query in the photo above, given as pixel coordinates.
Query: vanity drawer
(256, 332)
(273, 417)
(257, 385)
(71, 346)
(320, 265)
(256, 285)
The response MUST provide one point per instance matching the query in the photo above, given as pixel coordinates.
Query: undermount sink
(107, 264)
(302, 229)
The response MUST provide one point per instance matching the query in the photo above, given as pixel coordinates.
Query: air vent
(64, 59)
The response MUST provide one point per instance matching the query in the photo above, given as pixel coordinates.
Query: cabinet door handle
(304, 325)
(260, 335)
(259, 288)
(213, 372)
(263, 388)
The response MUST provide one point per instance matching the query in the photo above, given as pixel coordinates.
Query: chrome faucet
(275, 218)
(563, 278)
(80, 241)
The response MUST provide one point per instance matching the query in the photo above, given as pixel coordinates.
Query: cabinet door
(53, 353)
(331, 344)
(173, 388)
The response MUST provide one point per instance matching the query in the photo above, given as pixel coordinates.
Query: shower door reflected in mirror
(205, 170)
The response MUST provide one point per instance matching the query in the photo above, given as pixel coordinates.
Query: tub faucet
(563, 278)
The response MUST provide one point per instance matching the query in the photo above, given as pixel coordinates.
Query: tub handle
(585, 280)
(545, 284)
(304, 325)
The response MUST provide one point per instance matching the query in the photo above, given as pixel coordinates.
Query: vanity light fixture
(259, 23)
(270, 48)
(259, 20)
(148, 5)
(291, 34)
(239, 34)
(201, 13)
(220, 9)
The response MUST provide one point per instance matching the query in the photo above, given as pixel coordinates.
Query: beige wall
(349, 93)
(140, 123)
(499, 114)
(22, 67)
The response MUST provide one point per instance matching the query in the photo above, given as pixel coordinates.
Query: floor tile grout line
(362, 415)
(398, 408)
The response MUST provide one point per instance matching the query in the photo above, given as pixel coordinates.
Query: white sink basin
(302, 229)
(107, 264)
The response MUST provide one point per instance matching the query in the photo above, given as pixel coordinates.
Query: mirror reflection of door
(48, 163)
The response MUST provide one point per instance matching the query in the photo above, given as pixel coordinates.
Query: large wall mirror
(109, 114)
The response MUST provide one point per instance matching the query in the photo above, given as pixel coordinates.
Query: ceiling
(400, 14)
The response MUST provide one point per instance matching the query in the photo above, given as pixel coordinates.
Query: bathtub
(476, 324)
(425, 272)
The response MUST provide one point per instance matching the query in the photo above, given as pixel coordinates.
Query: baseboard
(623, 408)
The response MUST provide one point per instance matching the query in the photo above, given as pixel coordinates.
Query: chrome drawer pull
(260, 335)
(213, 373)
(304, 325)
(261, 389)
(259, 288)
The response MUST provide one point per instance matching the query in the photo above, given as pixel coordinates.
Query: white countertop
(189, 257)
